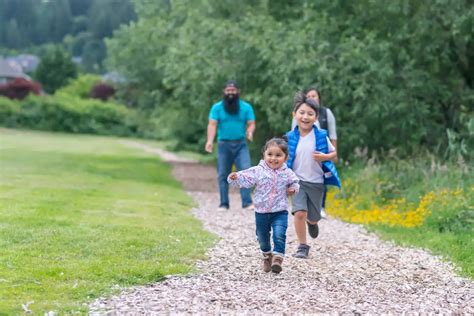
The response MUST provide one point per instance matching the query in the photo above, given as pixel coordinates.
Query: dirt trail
(349, 271)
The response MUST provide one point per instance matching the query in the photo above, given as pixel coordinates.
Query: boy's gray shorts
(309, 199)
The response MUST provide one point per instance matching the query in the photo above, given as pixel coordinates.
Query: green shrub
(80, 87)
(8, 111)
(69, 114)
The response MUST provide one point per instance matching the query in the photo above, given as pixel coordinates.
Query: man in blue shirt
(234, 121)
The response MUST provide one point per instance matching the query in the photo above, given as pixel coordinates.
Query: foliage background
(78, 25)
(398, 75)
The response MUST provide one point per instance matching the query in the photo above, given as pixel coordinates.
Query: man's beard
(231, 103)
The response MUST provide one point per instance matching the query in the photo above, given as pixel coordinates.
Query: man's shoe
(222, 208)
(267, 262)
(302, 251)
(249, 207)
(323, 214)
(276, 263)
(313, 229)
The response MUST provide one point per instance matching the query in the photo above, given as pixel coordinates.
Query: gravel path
(350, 271)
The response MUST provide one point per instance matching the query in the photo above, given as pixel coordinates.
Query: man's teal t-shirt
(231, 127)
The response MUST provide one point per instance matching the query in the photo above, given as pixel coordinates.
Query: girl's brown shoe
(276, 264)
(267, 262)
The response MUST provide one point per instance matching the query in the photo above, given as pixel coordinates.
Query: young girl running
(274, 181)
(310, 155)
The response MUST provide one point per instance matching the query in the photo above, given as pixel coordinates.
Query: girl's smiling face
(305, 117)
(274, 156)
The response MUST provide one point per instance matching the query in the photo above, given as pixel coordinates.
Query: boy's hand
(319, 156)
(291, 191)
(233, 176)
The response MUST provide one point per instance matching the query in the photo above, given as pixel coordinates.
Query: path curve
(349, 271)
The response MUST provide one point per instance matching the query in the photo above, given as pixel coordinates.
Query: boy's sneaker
(267, 262)
(249, 207)
(276, 264)
(313, 229)
(222, 208)
(323, 214)
(302, 251)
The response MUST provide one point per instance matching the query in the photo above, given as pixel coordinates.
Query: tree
(80, 7)
(93, 53)
(102, 23)
(56, 20)
(12, 35)
(396, 76)
(55, 69)
(79, 25)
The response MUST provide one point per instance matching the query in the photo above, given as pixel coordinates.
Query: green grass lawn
(80, 215)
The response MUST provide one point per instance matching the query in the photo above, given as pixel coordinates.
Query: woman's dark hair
(300, 99)
(311, 88)
(279, 142)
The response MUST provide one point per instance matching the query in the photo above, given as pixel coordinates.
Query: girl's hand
(291, 191)
(319, 156)
(233, 176)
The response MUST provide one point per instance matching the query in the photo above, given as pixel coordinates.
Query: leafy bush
(79, 87)
(68, 114)
(8, 111)
(19, 88)
(55, 69)
(102, 91)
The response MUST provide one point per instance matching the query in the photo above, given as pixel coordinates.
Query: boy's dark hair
(279, 142)
(300, 99)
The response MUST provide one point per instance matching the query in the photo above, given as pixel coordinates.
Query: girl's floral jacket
(271, 186)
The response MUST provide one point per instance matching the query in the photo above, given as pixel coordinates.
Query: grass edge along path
(412, 206)
(83, 215)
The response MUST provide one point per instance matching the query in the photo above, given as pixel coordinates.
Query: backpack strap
(323, 117)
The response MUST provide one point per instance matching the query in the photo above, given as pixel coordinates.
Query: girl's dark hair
(311, 88)
(280, 142)
(300, 99)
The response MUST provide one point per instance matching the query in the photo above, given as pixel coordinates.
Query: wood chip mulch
(350, 271)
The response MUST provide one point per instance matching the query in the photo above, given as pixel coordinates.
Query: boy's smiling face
(305, 117)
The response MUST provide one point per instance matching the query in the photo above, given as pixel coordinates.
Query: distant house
(28, 62)
(10, 70)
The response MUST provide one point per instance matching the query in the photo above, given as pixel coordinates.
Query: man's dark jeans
(228, 153)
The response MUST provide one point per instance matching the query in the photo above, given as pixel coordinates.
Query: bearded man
(234, 121)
